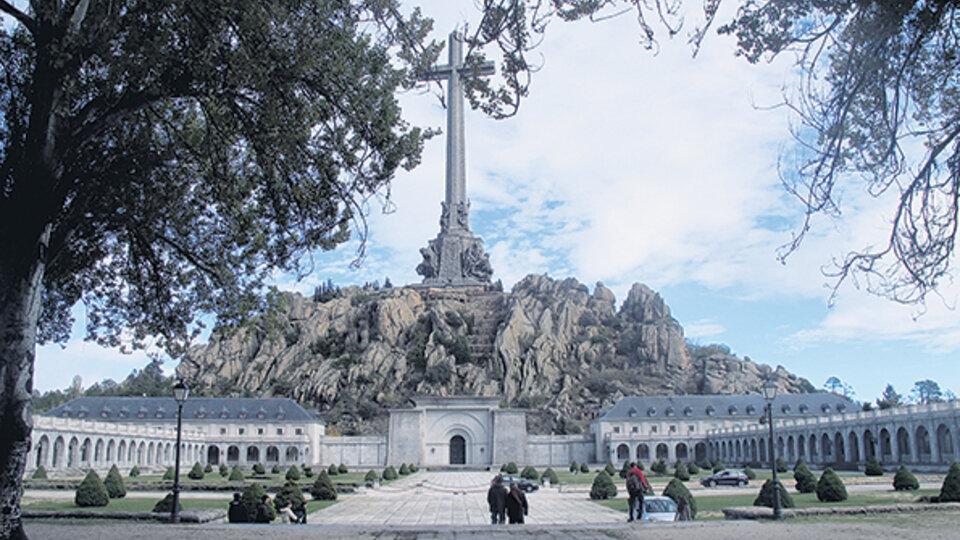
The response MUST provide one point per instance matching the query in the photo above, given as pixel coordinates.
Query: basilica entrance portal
(458, 450)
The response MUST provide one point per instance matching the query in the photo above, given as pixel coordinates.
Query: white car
(658, 508)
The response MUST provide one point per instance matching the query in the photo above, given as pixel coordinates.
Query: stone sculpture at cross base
(456, 256)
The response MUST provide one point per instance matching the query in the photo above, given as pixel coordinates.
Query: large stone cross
(455, 257)
(456, 207)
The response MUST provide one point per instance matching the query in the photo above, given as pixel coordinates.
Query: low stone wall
(187, 516)
(354, 451)
(762, 512)
(560, 450)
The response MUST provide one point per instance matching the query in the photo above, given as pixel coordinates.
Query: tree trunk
(20, 304)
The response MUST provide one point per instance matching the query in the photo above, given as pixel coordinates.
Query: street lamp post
(769, 393)
(180, 392)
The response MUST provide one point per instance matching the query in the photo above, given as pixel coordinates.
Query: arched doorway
(213, 455)
(458, 450)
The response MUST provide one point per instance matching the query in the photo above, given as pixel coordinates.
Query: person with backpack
(636, 484)
(237, 512)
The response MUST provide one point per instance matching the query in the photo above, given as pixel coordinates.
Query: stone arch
(812, 442)
(838, 447)
(85, 449)
(292, 454)
(781, 445)
(643, 451)
(681, 451)
(762, 446)
(273, 454)
(853, 447)
(623, 452)
(791, 449)
(141, 452)
(43, 451)
(253, 454)
(903, 442)
(213, 454)
(150, 451)
(73, 452)
(457, 450)
(699, 452)
(945, 443)
(738, 454)
(122, 451)
(923, 443)
(662, 451)
(869, 445)
(886, 445)
(98, 451)
(111, 450)
(753, 449)
(801, 447)
(826, 447)
(233, 453)
(59, 448)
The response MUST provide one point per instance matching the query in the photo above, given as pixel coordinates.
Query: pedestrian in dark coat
(636, 484)
(497, 500)
(264, 515)
(237, 513)
(516, 505)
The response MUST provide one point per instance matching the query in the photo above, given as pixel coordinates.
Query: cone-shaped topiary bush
(950, 490)
(804, 478)
(196, 473)
(413, 468)
(308, 471)
(91, 492)
(404, 470)
(333, 470)
(551, 475)
(390, 473)
(873, 467)
(584, 468)
(640, 465)
(323, 488)
(781, 465)
(224, 471)
(275, 469)
(371, 476)
(252, 495)
(208, 468)
(765, 497)
(603, 487)
(830, 488)
(680, 472)
(659, 466)
(692, 468)
(574, 467)
(40, 473)
(511, 468)
(904, 480)
(165, 505)
(236, 475)
(342, 469)
(168, 474)
(718, 466)
(259, 469)
(625, 468)
(289, 493)
(751, 475)
(610, 469)
(293, 473)
(114, 484)
(134, 472)
(530, 473)
(676, 490)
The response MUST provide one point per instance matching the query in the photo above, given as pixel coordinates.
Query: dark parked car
(525, 485)
(725, 477)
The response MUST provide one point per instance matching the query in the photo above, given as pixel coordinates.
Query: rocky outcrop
(549, 345)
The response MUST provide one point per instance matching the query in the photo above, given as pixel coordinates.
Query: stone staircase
(487, 307)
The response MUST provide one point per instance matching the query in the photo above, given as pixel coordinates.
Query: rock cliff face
(550, 346)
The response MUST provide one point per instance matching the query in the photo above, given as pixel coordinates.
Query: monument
(456, 256)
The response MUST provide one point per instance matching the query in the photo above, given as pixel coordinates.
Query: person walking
(497, 500)
(636, 484)
(237, 512)
(516, 505)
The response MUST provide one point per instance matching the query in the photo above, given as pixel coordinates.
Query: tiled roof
(152, 409)
(726, 406)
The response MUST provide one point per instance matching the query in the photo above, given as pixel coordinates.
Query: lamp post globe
(769, 389)
(180, 393)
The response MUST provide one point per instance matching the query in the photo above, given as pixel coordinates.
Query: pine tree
(676, 491)
(390, 473)
(781, 465)
(165, 505)
(680, 472)
(293, 473)
(91, 492)
(323, 488)
(749, 472)
(196, 473)
(610, 469)
(168, 474)
(236, 475)
(404, 470)
(289, 493)
(252, 495)
(114, 484)
(603, 487)
(904, 480)
(765, 497)
(950, 490)
(873, 467)
(830, 488)
(573, 466)
(803, 476)
(40, 473)
(224, 471)
(551, 475)
(342, 469)
(333, 470)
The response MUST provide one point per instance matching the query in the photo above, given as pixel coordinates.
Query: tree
(159, 160)
(873, 467)
(91, 492)
(252, 495)
(196, 473)
(680, 471)
(950, 490)
(926, 391)
(766, 495)
(804, 478)
(873, 105)
(293, 473)
(676, 490)
(290, 493)
(889, 398)
(323, 488)
(837, 386)
(904, 480)
(603, 487)
(830, 488)
(114, 484)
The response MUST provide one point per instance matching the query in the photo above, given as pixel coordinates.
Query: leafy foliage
(765, 497)
(165, 505)
(830, 488)
(680, 471)
(692, 468)
(804, 478)
(873, 467)
(223, 470)
(751, 474)
(530, 473)
(584, 468)
(781, 465)
(114, 484)
(323, 488)
(603, 487)
(573, 466)
(950, 490)
(659, 466)
(40, 473)
(168, 474)
(196, 473)
(904, 480)
(718, 466)
(333, 470)
(551, 475)
(342, 469)
(404, 470)
(889, 398)
(275, 469)
(134, 472)
(510, 468)
(236, 475)
(290, 493)
(293, 473)
(389, 473)
(611, 470)
(676, 490)
(371, 476)
(252, 495)
(258, 468)
(91, 492)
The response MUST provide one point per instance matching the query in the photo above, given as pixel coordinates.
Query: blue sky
(623, 166)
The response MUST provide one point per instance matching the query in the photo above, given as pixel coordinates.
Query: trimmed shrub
(252, 495)
(530, 473)
(603, 487)
(342, 469)
(574, 467)
(236, 475)
(680, 472)
(904, 480)
(751, 475)
(333, 470)
(91, 492)
(781, 465)
(625, 468)
(168, 474)
(40, 473)
(275, 469)
(950, 490)
(114, 484)
(873, 467)
(584, 468)
(259, 469)
(640, 465)
(390, 473)
(323, 488)
(610, 469)
(659, 466)
(692, 468)
(289, 493)
(224, 471)
(293, 473)
(804, 478)
(797, 464)
(308, 471)
(511, 468)
(830, 488)
(413, 468)
(718, 466)
(208, 468)
(196, 473)
(404, 470)
(371, 476)
(551, 475)
(676, 491)
(165, 505)
(134, 472)
(765, 497)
